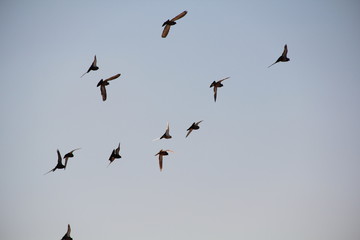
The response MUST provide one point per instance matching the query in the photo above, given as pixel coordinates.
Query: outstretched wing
(167, 132)
(118, 149)
(160, 161)
(285, 51)
(103, 92)
(59, 156)
(198, 122)
(223, 79)
(165, 31)
(95, 61)
(189, 131)
(112, 78)
(215, 93)
(179, 16)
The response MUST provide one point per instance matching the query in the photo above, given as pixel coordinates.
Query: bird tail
(83, 75)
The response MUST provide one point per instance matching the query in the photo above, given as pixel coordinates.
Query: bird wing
(59, 156)
(95, 61)
(160, 161)
(117, 149)
(189, 131)
(198, 122)
(52, 170)
(167, 129)
(103, 92)
(223, 79)
(168, 150)
(165, 31)
(179, 16)
(285, 51)
(68, 231)
(112, 78)
(215, 93)
(75, 150)
(66, 160)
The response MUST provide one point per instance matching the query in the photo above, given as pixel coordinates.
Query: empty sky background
(276, 157)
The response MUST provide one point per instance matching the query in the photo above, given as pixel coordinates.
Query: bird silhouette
(114, 154)
(102, 83)
(59, 164)
(170, 23)
(162, 153)
(283, 57)
(194, 126)
(216, 85)
(67, 234)
(69, 155)
(166, 135)
(92, 67)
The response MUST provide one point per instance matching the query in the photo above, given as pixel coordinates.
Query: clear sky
(277, 157)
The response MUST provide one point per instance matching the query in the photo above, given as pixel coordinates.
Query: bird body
(283, 57)
(102, 83)
(166, 135)
(168, 23)
(93, 66)
(114, 154)
(194, 126)
(216, 85)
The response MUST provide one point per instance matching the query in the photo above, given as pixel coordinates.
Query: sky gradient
(276, 157)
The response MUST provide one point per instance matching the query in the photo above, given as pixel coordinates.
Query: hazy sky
(276, 157)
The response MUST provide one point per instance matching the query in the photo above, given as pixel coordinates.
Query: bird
(216, 85)
(59, 164)
(102, 83)
(162, 153)
(92, 67)
(283, 57)
(67, 234)
(114, 154)
(69, 155)
(194, 126)
(166, 135)
(171, 22)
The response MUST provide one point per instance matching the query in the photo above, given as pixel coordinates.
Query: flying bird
(171, 22)
(162, 153)
(194, 126)
(92, 67)
(104, 83)
(67, 234)
(114, 154)
(69, 155)
(59, 164)
(283, 57)
(166, 135)
(216, 85)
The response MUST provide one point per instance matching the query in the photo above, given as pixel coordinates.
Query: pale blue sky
(276, 157)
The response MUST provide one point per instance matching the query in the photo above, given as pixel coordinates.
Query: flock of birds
(115, 154)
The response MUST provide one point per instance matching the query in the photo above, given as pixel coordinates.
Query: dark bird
(114, 154)
(67, 234)
(162, 153)
(59, 164)
(69, 155)
(283, 57)
(166, 135)
(194, 126)
(92, 67)
(216, 85)
(104, 83)
(171, 22)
